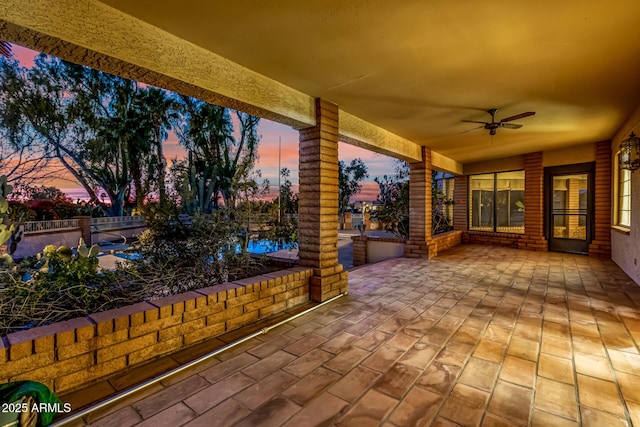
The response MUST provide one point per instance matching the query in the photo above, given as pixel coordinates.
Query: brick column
(318, 204)
(601, 245)
(461, 207)
(533, 238)
(347, 221)
(359, 250)
(84, 223)
(419, 207)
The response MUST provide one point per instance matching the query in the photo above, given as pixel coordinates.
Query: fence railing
(31, 227)
(117, 222)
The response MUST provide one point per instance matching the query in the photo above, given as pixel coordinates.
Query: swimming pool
(254, 247)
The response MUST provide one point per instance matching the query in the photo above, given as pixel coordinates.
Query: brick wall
(318, 204)
(509, 240)
(419, 207)
(601, 245)
(420, 198)
(436, 245)
(444, 241)
(72, 354)
(359, 250)
(533, 238)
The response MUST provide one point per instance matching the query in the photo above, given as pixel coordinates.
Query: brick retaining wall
(444, 241)
(72, 354)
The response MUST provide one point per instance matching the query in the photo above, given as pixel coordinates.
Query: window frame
(618, 194)
(495, 205)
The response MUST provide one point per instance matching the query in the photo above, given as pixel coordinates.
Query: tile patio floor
(478, 336)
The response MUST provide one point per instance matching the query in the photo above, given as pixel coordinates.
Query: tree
(162, 110)
(21, 160)
(217, 161)
(349, 183)
(91, 122)
(393, 212)
(288, 200)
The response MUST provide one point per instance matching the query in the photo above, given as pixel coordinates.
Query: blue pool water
(254, 247)
(264, 246)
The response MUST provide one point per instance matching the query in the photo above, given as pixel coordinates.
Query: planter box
(75, 353)
(367, 250)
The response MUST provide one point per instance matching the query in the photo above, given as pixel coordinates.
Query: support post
(318, 204)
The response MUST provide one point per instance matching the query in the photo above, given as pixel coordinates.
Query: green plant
(62, 262)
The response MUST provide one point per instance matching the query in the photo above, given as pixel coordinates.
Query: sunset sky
(270, 132)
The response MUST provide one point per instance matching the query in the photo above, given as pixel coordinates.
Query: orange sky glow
(270, 132)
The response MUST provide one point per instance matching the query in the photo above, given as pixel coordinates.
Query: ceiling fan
(493, 125)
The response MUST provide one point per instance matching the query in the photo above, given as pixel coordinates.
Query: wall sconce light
(630, 153)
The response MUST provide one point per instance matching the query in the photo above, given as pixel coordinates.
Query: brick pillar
(419, 207)
(461, 207)
(533, 238)
(601, 245)
(347, 221)
(359, 250)
(318, 204)
(84, 223)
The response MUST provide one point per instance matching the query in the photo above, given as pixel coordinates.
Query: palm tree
(161, 109)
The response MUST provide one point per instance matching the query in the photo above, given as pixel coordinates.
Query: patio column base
(417, 249)
(327, 283)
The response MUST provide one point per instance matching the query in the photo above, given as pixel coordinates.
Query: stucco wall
(379, 250)
(625, 247)
(582, 153)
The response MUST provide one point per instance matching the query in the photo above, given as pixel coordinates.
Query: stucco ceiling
(417, 68)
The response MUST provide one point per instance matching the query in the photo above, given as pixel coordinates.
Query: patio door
(570, 207)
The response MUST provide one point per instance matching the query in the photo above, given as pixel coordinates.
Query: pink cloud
(24, 55)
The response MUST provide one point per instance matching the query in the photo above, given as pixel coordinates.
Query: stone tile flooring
(478, 336)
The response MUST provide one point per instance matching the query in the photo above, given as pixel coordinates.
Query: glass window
(497, 202)
(624, 198)
(443, 203)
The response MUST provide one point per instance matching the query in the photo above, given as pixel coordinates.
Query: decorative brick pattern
(318, 204)
(71, 354)
(419, 207)
(533, 238)
(601, 245)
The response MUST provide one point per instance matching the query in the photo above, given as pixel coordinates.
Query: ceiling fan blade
(510, 125)
(469, 130)
(518, 116)
(473, 121)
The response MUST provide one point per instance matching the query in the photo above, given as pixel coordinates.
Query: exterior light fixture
(630, 153)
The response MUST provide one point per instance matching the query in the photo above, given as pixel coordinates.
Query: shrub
(58, 285)
(194, 253)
